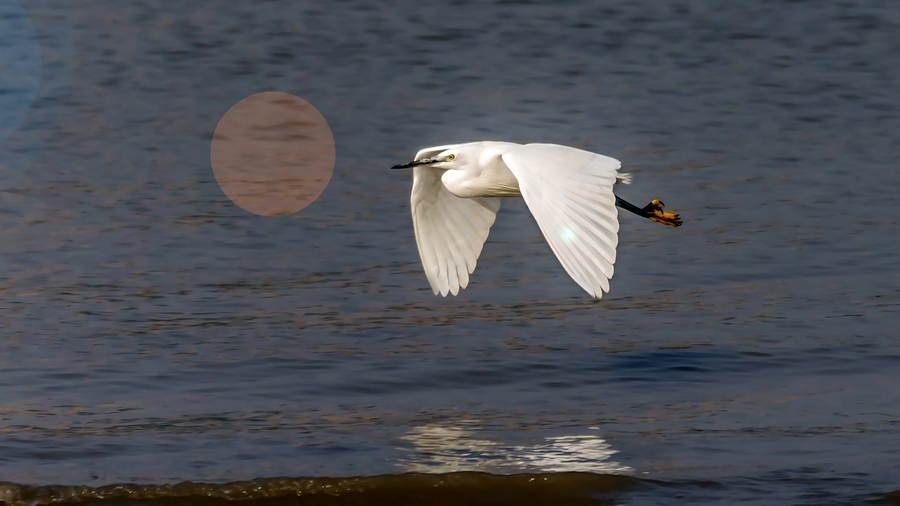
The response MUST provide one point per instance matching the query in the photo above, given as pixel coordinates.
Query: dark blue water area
(22, 62)
(153, 332)
(37, 64)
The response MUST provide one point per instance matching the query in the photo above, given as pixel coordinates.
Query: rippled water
(152, 332)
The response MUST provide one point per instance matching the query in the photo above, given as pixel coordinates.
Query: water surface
(155, 333)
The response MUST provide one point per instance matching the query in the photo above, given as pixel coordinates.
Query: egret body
(456, 195)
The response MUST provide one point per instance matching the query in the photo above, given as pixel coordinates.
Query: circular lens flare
(272, 153)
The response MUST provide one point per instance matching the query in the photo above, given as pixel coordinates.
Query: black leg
(628, 206)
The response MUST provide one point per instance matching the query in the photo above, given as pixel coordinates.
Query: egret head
(446, 160)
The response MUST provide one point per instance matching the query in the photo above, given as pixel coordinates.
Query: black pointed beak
(414, 163)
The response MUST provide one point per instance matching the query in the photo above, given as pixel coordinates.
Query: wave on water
(470, 488)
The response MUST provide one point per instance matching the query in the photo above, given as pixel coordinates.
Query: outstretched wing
(450, 231)
(569, 192)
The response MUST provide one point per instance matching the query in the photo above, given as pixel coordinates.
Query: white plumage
(456, 195)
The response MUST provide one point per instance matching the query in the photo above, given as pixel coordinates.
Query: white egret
(456, 195)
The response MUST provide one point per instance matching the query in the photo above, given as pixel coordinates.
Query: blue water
(152, 332)
(20, 59)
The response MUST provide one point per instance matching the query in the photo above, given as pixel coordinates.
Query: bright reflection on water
(442, 448)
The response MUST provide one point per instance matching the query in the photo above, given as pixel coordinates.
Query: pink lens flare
(272, 153)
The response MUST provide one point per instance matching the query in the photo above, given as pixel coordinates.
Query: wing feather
(569, 192)
(574, 254)
(450, 231)
(456, 261)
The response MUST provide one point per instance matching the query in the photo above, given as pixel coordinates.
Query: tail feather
(623, 178)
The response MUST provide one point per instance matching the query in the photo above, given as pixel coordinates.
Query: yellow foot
(654, 212)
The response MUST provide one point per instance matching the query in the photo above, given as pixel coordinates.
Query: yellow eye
(450, 158)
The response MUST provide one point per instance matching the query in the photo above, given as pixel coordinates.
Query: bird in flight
(456, 195)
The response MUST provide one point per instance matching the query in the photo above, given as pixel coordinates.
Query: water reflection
(442, 448)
